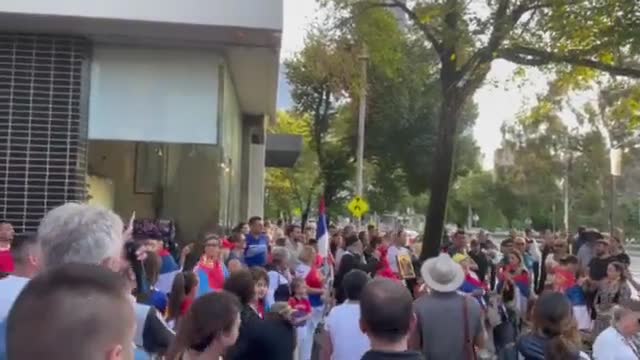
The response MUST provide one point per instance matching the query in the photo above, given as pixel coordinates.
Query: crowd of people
(86, 287)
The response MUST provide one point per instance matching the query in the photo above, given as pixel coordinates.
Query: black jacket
(262, 339)
(348, 262)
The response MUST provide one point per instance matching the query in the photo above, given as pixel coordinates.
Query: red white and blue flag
(322, 231)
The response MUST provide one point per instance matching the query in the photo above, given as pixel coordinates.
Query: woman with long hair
(554, 332)
(183, 294)
(208, 329)
(613, 290)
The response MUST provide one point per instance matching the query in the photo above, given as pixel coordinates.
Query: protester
(152, 264)
(449, 324)
(281, 333)
(617, 252)
(353, 258)
(386, 317)
(600, 260)
(587, 250)
(73, 312)
(183, 293)
(257, 247)
(515, 283)
(481, 259)
(343, 322)
(279, 276)
(554, 335)
(397, 249)
(6, 237)
(239, 243)
(78, 233)
(302, 313)
(618, 341)
(211, 269)
(458, 243)
(315, 281)
(242, 285)
(261, 283)
(208, 329)
(471, 285)
(295, 241)
(26, 255)
(546, 251)
(612, 291)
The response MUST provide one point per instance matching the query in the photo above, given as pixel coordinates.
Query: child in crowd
(261, 281)
(472, 284)
(301, 306)
(157, 298)
(183, 294)
(565, 281)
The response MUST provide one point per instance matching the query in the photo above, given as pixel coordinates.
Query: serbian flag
(322, 231)
(168, 271)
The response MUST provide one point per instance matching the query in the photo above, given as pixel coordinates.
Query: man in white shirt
(396, 249)
(343, 338)
(616, 342)
(26, 254)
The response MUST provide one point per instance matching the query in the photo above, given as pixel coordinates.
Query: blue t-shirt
(159, 300)
(255, 254)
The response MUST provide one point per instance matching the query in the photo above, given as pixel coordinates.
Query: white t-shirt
(10, 288)
(392, 256)
(343, 322)
(610, 345)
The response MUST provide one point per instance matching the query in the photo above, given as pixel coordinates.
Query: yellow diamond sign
(358, 206)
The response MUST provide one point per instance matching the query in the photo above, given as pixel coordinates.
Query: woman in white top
(210, 327)
(617, 341)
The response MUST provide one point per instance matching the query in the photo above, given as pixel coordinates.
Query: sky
(499, 100)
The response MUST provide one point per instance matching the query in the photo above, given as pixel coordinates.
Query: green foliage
(289, 190)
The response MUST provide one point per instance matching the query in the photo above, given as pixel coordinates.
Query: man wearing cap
(600, 261)
(449, 324)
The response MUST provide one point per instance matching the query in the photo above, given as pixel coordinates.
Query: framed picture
(149, 167)
(405, 265)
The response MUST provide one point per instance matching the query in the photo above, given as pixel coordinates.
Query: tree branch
(536, 57)
(426, 29)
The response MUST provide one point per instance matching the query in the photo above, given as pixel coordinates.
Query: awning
(282, 150)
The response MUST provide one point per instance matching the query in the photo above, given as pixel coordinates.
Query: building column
(43, 125)
(253, 168)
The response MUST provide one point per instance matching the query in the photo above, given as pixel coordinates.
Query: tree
(320, 76)
(290, 191)
(467, 37)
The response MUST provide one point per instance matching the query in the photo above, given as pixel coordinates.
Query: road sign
(358, 206)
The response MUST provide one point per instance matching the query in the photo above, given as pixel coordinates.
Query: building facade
(157, 107)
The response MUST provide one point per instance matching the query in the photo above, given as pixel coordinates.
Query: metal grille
(43, 125)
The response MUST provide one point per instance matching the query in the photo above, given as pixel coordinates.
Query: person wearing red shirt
(302, 313)
(211, 270)
(6, 237)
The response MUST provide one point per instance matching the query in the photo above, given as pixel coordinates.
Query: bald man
(74, 312)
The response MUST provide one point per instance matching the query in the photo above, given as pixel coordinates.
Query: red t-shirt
(185, 306)
(6, 261)
(302, 306)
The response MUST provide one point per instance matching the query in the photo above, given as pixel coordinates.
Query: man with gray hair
(80, 233)
(618, 340)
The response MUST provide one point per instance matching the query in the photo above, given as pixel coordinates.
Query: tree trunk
(442, 168)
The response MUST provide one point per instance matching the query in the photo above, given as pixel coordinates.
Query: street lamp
(364, 59)
(615, 156)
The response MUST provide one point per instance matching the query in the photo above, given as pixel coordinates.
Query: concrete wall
(258, 14)
(190, 190)
(115, 160)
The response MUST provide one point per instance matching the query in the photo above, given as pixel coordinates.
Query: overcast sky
(499, 100)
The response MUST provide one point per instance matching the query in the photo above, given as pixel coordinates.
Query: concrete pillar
(253, 165)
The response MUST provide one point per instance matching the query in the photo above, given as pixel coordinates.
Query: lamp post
(364, 60)
(615, 156)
